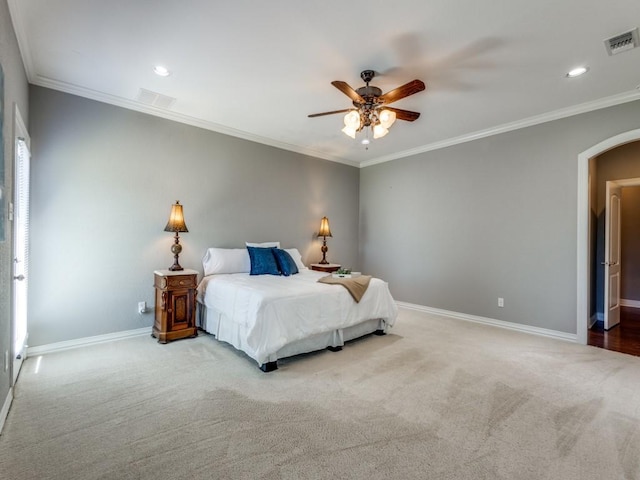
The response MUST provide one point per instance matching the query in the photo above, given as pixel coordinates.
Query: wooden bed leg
(335, 349)
(269, 366)
(379, 332)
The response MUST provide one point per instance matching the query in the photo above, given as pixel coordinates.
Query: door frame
(583, 265)
(20, 131)
(622, 183)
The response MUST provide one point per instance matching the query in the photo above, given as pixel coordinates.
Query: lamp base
(324, 250)
(176, 248)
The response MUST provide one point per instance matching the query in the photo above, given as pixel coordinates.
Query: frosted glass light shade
(352, 119)
(387, 117)
(349, 131)
(379, 131)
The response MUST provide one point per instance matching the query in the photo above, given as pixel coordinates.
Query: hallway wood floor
(624, 337)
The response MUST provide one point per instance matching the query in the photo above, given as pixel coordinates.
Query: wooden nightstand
(175, 305)
(325, 267)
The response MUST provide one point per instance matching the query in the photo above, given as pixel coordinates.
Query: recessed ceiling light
(162, 71)
(576, 72)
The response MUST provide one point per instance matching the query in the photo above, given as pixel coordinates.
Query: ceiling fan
(371, 106)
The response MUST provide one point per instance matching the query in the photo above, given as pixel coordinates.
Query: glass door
(21, 247)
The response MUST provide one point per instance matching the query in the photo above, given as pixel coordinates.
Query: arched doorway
(583, 230)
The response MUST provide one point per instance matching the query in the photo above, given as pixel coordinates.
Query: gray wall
(459, 227)
(15, 92)
(616, 164)
(103, 181)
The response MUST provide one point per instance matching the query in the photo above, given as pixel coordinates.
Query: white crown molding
(181, 118)
(22, 37)
(85, 341)
(543, 332)
(5, 408)
(196, 122)
(508, 127)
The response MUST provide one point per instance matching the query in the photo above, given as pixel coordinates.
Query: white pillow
(295, 254)
(226, 260)
(263, 244)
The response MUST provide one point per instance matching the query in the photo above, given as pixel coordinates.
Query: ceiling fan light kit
(371, 113)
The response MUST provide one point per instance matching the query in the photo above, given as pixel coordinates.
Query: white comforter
(273, 311)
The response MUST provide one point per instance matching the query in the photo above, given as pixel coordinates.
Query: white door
(21, 249)
(612, 256)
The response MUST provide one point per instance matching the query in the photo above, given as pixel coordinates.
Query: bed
(270, 317)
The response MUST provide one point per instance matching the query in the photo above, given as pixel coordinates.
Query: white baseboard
(83, 342)
(5, 408)
(629, 303)
(569, 337)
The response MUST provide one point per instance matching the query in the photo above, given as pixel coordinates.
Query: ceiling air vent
(155, 99)
(622, 42)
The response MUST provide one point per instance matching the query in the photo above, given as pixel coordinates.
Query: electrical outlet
(500, 302)
(142, 307)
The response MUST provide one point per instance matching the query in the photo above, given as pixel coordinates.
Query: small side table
(175, 305)
(325, 267)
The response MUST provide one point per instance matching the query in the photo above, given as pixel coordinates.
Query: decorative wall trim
(86, 341)
(5, 408)
(586, 107)
(569, 337)
(129, 104)
(43, 81)
(629, 303)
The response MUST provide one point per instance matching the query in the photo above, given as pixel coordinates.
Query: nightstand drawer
(187, 281)
(175, 281)
(325, 267)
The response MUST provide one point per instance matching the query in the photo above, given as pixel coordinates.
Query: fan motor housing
(369, 93)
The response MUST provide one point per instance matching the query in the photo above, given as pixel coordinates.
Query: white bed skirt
(214, 322)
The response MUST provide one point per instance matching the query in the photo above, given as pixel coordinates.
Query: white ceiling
(256, 69)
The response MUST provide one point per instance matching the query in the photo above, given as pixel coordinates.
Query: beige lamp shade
(176, 219)
(324, 231)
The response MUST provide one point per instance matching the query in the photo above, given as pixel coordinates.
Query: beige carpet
(436, 399)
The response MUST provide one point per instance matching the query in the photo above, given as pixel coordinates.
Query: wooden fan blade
(405, 90)
(329, 113)
(407, 115)
(348, 91)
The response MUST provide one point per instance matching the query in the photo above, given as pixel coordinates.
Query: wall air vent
(154, 99)
(622, 42)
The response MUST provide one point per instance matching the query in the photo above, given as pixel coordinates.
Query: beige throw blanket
(356, 286)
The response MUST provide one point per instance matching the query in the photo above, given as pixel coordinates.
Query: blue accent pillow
(286, 264)
(262, 261)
